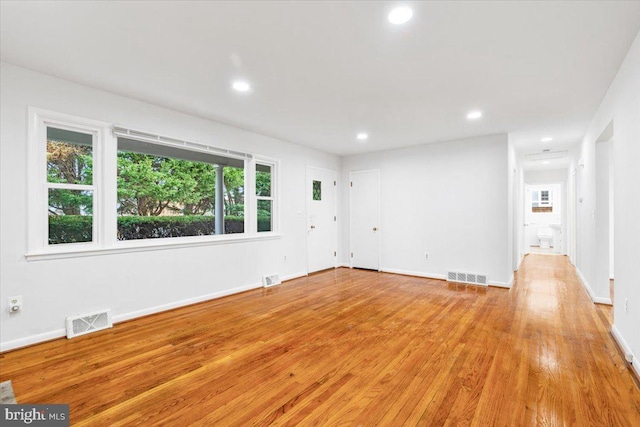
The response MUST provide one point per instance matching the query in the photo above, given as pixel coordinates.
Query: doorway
(543, 219)
(321, 219)
(364, 218)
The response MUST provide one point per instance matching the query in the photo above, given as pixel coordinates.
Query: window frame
(273, 164)
(185, 146)
(39, 186)
(104, 187)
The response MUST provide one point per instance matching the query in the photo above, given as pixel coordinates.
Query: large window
(93, 186)
(171, 192)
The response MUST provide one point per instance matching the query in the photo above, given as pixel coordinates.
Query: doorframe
(306, 213)
(564, 202)
(572, 218)
(380, 229)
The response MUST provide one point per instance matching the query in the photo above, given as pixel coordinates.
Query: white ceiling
(321, 72)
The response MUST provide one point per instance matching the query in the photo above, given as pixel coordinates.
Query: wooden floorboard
(349, 347)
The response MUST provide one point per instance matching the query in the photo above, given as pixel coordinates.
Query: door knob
(313, 226)
(375, 228)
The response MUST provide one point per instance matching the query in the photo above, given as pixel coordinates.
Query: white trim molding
(505, 285)
(32, 339)
(414, 273)
(592, 295)
(630, 358)
(294, 276)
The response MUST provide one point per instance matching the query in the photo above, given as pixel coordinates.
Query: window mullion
(107, 180)
(69, 186)
(251, 201)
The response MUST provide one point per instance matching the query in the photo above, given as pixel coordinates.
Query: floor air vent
(473, 278)
(270, 280)
(87, 323)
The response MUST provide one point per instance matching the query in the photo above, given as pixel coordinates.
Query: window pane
(70, 216)
(264, 215)
(233, 200)
(534, 196)
(317, 190)
(263, 180)
(69, 157)
(160, 196)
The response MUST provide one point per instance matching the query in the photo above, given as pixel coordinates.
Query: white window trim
(105, 193)
(275, 212)
(37, 198)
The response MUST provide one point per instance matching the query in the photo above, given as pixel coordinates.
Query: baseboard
(414, 273)
(183, 303)
(293, 276)
(634, 363)
(33, 339)
(441, 277)
(592, 295)
(346, 265)
(506, 285)
(585, 284)
(60, 333)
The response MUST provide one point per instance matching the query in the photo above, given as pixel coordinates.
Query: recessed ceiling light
(362, 136)
(547, 139)
(400, 15)
(546, 162)
(241, 86)
(474, 115)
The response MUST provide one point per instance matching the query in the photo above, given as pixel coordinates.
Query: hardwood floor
(349, 347)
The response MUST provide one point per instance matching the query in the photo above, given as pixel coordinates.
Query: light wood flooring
(349, 347)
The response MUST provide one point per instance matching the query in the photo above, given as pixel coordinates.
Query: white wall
(622, 105)
(603, 223)
(449, 199)
(131, 284)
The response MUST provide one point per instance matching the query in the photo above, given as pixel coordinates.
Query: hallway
(572, 371)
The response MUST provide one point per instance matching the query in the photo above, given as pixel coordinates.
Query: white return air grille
(270, 280)
(86, 323)
(473, 278)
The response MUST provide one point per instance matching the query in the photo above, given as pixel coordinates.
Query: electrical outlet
(426, 255)
(15, 304)
(285, 257)
(626, 305)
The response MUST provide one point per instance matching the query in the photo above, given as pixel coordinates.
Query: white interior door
(364, 208)
(321, 219)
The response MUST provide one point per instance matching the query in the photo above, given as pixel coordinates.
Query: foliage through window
(168, 192)
(69, 186)
(317, 190)
(264, 197)
(92, 184)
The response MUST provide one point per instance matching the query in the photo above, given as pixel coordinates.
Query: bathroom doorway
(543, 219)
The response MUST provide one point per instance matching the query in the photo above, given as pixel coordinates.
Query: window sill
(72, 251)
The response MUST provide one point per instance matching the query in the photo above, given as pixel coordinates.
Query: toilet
(545, 234)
